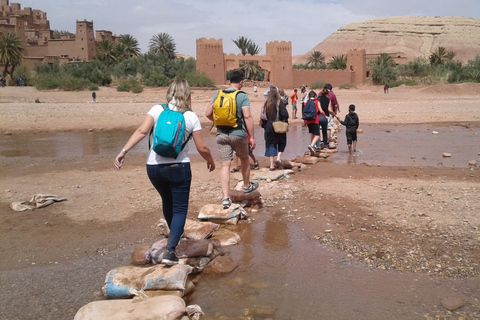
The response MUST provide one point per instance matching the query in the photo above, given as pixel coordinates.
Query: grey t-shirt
(242, 102)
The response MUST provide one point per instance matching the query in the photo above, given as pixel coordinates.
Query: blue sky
(305, 23)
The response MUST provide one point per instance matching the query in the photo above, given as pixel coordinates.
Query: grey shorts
(330, 122)
(294, 107)
(227, 144)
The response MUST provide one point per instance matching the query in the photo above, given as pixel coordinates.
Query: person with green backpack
(168, 170)
(230, 113)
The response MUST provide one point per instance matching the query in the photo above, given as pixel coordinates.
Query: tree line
(440, 67)
(118, 63)
(121, 63)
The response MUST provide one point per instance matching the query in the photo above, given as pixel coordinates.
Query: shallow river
(279, 266)
(411, 145)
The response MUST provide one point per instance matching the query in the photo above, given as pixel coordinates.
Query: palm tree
(253, 48)
(162, 43)
(441, 56)
(316, 59)
(106, 51)
(242, 44)
(338, 62)
(131, 44)
(11, 52)
(57, 34)
(383, 69)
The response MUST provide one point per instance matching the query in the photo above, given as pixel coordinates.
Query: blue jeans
(323, 122)
(172, 181)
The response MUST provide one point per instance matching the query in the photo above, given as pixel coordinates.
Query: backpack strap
(151, 130)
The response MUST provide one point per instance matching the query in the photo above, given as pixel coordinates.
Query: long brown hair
(271, 102)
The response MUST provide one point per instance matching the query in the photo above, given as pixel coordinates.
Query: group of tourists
(170, 172)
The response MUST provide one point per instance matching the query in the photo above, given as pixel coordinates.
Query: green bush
(155, 79)
(130, 84)
(71, 83)
(37, 100)
(196, 79)
(92, 87)
(347, 86)
(46, 82)
(317, 85)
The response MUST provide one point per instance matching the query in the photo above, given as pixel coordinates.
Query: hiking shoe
(227, 202)
(311, 148)
(170, 258)
(251, 187)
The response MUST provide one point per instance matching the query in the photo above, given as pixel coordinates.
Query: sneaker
(227, 202)
(311, 148)
(251, 187)
(170, 258)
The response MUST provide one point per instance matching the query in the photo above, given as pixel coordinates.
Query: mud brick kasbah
(34, 30)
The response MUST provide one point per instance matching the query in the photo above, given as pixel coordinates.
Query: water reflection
(413, 145)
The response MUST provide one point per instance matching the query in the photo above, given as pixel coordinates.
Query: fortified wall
(277, 63)
(33, 28)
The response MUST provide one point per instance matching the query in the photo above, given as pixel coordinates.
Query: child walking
(351, 122)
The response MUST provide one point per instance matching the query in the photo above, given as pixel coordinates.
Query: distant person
(20, 81)
(265, 94)
(385, 88)
(94, 96)
(351, 122)
(275, 143)
(283, 97)
(333, 111)
(294, 98)
(234, 139)
(172, 177)
(255, 89)
(304, 94)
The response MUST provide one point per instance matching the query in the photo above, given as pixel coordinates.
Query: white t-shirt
(192, 123)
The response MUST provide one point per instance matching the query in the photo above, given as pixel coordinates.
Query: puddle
(412, 145)
(280, 267)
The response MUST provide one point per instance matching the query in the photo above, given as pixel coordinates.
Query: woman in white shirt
(172, 177)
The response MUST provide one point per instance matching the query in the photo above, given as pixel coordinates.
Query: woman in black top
(323, 118)
(275, 143)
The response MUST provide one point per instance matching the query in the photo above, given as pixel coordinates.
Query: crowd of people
(235, 140)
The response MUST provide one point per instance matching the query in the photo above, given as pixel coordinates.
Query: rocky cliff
(409, 37)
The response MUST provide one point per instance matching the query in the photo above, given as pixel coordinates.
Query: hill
(407, 37)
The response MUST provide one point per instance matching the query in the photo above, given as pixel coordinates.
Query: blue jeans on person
(172, 181)
(323, 122)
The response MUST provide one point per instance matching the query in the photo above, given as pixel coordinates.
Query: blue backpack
(309, 112)
(169, 132)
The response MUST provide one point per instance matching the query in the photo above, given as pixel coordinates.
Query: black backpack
(309, 112)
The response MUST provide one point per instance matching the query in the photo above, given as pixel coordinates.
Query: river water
(278, 265)
(409, 145)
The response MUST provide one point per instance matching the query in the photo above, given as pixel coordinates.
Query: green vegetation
(11, 53)
(338, 62)
(250, 69)
(317, 85)
(347, 86)
(120, 63)
(316, 60)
